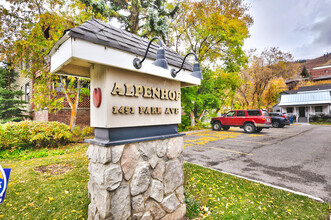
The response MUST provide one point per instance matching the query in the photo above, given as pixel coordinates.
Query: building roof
(289, 92)
(99, 32)
(315, 87)
(308, 88)
(306, 98)
(322, 67)
(322, 78)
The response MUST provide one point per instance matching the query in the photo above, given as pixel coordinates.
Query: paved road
(296, 157)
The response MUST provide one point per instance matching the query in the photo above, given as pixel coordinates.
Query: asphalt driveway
(297, 157)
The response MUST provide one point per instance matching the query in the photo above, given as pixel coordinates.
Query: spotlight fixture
(160, 56)
(196, 68)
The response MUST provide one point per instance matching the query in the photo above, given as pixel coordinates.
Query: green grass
(33, 195)
(210, 194)
(320, 123)
(222, 196)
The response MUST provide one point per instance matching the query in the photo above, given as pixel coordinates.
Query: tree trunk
(232, 103)
(73, 116)
(192, 118)
(202, 114)
(73, 106)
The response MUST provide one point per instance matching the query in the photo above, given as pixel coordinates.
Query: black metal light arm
(137, 62)
(174, 72)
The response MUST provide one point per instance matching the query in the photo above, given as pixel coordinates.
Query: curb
(266, 184)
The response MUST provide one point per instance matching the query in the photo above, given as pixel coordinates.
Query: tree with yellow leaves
(263, 78)
(215, 31)
(29, 29)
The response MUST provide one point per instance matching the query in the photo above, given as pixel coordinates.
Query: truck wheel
(275, 124)
(226, 127)
(258, 130)
(249, 127)
(217, 126)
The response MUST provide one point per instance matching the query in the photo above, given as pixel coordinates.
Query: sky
(300, 27)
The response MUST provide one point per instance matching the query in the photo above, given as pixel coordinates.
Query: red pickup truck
(250, 120)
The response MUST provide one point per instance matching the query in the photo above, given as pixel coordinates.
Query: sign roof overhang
(74, 55)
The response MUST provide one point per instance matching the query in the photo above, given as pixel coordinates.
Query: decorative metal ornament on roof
(160, 56)
(196, 68)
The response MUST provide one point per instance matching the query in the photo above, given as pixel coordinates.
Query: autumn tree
(147, 18)
(215, 31)
(272, 93)
(29, 29)
(258, 89)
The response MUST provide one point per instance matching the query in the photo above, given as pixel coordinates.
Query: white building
(306, 101)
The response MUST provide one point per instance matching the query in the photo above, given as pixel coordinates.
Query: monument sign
(136, 165)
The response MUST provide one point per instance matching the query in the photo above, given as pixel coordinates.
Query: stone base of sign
(141, 180)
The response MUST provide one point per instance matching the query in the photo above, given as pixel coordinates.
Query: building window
(289, 110)
(318, 109)
(326, 71)
(27, 92)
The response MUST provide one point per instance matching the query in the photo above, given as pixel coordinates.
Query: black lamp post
(160, 56)
(196, 68)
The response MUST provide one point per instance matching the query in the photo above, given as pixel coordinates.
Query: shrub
(314, 118)
(34, 134)
(87, 131)
(325, 117)
(80, 134)
(76, 132)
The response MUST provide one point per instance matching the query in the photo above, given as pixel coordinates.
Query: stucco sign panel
(131, 99)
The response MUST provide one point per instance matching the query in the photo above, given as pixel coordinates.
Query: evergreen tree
(148, 18)
(304, 72)
(11, 106)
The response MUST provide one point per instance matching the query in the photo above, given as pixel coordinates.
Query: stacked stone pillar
(141, 180)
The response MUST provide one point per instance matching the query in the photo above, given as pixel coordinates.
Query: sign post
(136, 164)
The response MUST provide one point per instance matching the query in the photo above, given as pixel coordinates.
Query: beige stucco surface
(104, 77)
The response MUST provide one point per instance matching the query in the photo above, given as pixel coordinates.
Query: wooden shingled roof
(99, 32)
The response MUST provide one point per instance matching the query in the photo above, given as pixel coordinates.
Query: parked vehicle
(279, 120)
(250, 120)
